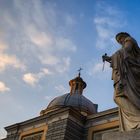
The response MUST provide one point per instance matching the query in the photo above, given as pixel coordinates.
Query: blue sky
(44, 42)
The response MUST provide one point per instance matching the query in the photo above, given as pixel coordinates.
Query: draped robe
(126, 75)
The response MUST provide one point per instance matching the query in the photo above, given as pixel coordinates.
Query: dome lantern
(77, 84)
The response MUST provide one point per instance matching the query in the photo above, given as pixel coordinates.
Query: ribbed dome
(76, 100)
(73, 99)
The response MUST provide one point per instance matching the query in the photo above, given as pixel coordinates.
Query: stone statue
(125, 65)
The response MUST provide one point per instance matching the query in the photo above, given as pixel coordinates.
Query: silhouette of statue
(125, 65)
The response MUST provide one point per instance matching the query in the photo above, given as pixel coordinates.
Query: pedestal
(130, 135)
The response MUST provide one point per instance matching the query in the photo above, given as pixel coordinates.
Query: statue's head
(121, 36)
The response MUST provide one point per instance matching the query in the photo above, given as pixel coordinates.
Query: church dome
(76, 101)
(73, 99)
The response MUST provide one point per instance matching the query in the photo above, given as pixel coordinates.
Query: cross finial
(79, 70)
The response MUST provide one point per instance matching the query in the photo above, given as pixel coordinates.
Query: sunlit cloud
(10, 60)
(33, 78)
(30, 78)
(3, 87)
(7, 60)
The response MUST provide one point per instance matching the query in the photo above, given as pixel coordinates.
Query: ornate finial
(79, 70)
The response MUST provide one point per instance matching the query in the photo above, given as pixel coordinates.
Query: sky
(44, 42)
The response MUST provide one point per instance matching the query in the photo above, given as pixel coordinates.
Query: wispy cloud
(99, 67)
(107, 21)
(46, 71)
(70, 20)
(64, 65)
(61, 89)
(48, 98)
(38, 39)
(3, 87)
(49, 59)
(65, 44)
(41, 28)
(97, 71)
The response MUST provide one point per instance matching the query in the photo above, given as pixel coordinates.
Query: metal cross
(79, 71)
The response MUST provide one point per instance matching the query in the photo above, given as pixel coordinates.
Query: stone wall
(64, 130)
(66, 125)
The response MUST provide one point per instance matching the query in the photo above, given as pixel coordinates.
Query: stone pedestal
(130, 135)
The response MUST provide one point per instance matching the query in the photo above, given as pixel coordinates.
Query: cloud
(3, 87)
(59, 65)
(107, 21)
(33, 78)
(10, 60)
(30, 78)
(39, 38)
(41, 28)
(49, 46)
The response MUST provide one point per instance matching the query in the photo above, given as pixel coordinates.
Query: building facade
(68, 117)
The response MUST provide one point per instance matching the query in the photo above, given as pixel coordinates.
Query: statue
(125, 65)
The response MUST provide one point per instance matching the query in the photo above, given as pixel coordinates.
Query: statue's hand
(106, 58)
